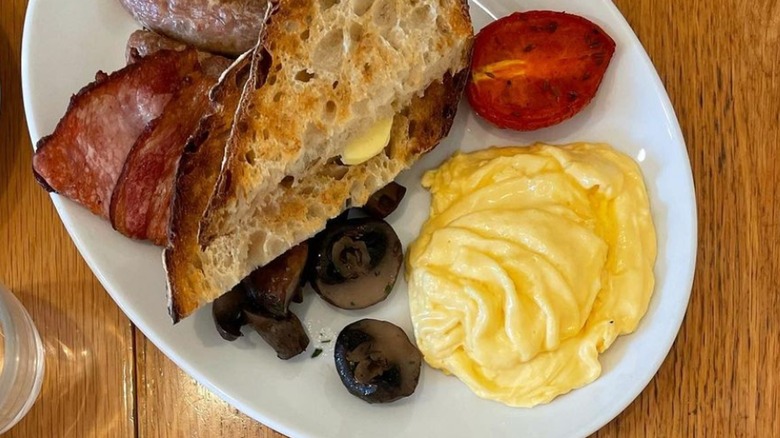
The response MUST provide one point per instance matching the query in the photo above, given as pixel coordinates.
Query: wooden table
(720, 61)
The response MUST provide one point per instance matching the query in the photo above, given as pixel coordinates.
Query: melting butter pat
(366, 146)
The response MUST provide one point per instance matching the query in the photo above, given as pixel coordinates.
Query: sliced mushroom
(286, 336)
(274, 285)
(228, 313)
(357, 263)
(376, 361)
(382, 203)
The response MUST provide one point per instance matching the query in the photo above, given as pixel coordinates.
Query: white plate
(66, 42)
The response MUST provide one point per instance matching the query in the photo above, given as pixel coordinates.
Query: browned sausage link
(220, 26)
(143, 43)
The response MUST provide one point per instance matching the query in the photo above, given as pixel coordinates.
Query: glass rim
(20, 380)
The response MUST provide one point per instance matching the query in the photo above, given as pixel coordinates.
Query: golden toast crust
(202, 260)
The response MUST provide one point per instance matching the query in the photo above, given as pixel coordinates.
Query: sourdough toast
(279, 177)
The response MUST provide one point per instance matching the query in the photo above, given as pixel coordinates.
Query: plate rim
(617, 19)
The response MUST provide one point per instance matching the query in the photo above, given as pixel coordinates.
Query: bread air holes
(292, 26)
(412, 128)
(422, 17)
(261, 69)
(249, 158)
(395, 38)
(305, 35)
(442, 24)
(360, 107)
(304, 76)
(316, 162)
(329, 113)
(327, 4)
(256, 248)
(356, 32)
(311, 132)
(385, 14)
(278, 97)
(329, 51)
(337, 172)
(334, 169)
(360, 7)
(287, 181)
(305, 191)
(273, 75)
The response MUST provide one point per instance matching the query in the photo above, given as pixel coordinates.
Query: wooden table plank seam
(720, 62)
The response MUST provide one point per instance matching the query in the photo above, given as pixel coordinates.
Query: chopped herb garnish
(317, 352)
(325, 341)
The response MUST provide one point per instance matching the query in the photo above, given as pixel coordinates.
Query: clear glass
(21, 361)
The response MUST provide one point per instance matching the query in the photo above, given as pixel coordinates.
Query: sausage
(143, 43)
(228, 27)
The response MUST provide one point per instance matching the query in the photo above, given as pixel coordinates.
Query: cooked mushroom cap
(357, 263)
(376, 361)
(228, 313)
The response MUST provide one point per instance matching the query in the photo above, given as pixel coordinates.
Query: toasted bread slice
(196, 176)
(336, 68)
(296, 212)
(280, 178)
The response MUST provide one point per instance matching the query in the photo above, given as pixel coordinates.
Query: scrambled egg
(532, 262)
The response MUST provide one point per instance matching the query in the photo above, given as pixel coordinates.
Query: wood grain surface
(720, 64)
(88, 387)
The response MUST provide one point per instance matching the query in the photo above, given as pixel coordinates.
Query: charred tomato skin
(535, 69)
